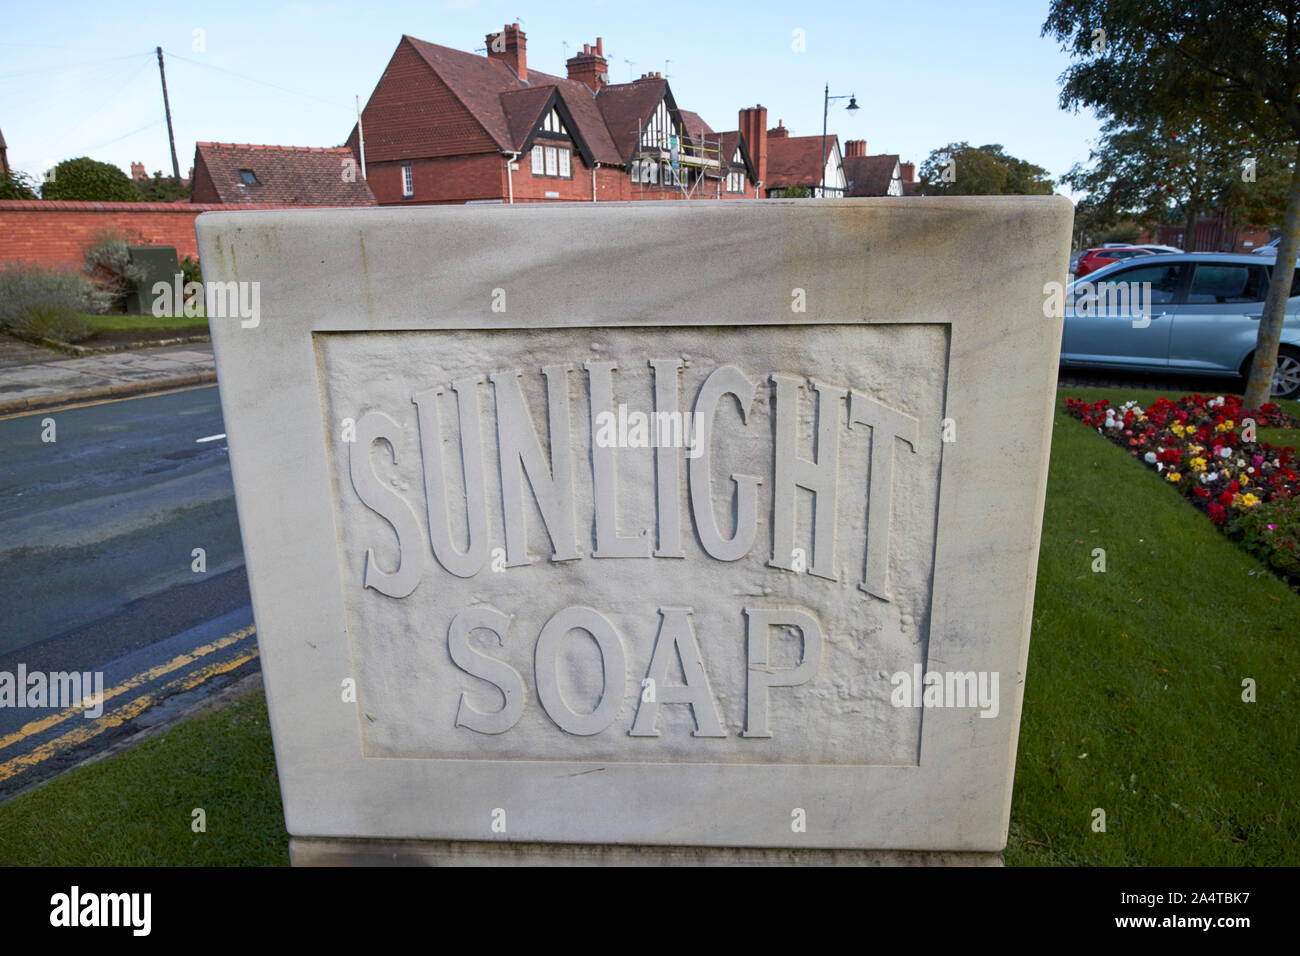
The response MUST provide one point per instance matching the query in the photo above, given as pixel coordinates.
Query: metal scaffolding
(678, 166)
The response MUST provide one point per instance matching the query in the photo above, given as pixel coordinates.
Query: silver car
(1193, 312)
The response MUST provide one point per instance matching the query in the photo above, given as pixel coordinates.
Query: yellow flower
(1198, 464)
(1245, 501)
(1174, 476)
(1178, 430)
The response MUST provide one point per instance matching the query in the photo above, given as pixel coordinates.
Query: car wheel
(1286, 376)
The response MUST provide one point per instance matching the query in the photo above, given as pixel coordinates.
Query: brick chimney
(855, 147)
(137, 172)
(508, 47)
(779, 131)
(753, 126)
(590, 66)
(907, 171)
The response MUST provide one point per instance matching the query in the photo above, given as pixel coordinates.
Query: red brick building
(444, 126)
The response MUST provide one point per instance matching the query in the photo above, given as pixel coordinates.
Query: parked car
(1157, 249)
(1268, 249)
(1202, 316)
(1095, 259)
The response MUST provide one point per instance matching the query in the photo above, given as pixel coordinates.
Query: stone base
(332, 851)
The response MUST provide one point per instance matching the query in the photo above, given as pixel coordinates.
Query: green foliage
(45, 303)
(960, 169)
(792, 192)
(1208, 61)
(16, 185)
(1271, 531)
(163, 189)
(190, 270)
(89, 180)
(1157, 171)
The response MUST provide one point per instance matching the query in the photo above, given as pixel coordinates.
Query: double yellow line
(127, 711)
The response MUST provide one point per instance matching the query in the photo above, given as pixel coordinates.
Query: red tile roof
(498, 104)
(286, 175)
(623, 104)
(696, 128)
(870, 175)
(795, 160)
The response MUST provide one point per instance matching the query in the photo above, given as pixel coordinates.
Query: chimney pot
(589, 67)
(514, 55)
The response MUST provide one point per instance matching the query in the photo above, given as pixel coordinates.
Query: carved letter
(609, 543)
(886, 425)
(435, 485)
(521, 452)
(504, 677)
(613, 670)
(761, 676)
(388, 504)
(820, 476)
(668, 464)
(724, 380)
(677, 637)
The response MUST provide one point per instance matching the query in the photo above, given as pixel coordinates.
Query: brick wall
(55, 232)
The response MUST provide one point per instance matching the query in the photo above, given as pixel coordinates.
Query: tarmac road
(98, 531)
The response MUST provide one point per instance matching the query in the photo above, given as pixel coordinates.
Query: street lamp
(826, 107)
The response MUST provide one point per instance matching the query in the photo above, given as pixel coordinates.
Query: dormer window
(247, 178)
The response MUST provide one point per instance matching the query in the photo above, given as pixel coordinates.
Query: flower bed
(1207, 449)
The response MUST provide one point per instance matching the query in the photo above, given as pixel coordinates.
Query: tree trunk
(1260, 384)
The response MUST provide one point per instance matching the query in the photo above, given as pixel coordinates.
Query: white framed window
(566, 164)
(537, 160)
(408, 182)
(551, 161)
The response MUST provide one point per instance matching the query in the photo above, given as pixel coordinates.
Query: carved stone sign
(707, 524)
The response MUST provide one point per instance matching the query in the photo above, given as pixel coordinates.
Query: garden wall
(56, 233)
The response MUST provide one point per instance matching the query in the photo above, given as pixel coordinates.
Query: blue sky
(82, 79)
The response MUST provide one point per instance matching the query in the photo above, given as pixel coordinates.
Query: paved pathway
(33, 377)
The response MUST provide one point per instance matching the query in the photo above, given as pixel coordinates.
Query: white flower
(1225, 452)
(1150, 458)
(1250, 471)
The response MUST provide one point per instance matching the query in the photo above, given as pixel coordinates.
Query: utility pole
(176, 167)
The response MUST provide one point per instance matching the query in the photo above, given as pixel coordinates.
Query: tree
(87, 179)
(960, 169)
(163, 189)
(16, 185)
(1149, 172)
(1180, 61)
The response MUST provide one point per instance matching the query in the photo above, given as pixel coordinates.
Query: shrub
(16, 185)
(190, 270)
(86, 179)
(109, 265)
(1271, 531)
(45, 303)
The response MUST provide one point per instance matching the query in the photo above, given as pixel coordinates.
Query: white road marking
(210, 438)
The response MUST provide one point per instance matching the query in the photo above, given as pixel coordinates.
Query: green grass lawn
(1132, 705)
(1133, 697)
(136, 809)
(119, 323)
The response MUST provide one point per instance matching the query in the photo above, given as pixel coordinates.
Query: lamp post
(826, 108)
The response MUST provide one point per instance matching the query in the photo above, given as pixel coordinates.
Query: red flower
(1202, 493)
(1217, 513)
